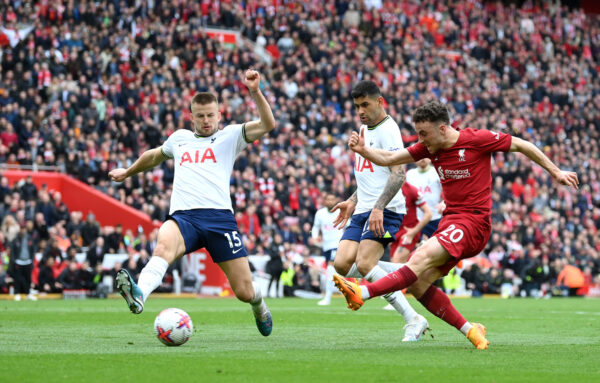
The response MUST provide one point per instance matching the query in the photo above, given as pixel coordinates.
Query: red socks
(394, 281)
(439, 305)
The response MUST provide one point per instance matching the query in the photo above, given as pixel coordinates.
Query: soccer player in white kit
(425, 178)
(201, 213)
(377, 206)
(324, 228)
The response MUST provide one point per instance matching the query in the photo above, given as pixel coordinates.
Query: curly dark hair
(433, 111)
(365, 88)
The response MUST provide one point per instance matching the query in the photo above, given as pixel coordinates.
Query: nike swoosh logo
(236, 251)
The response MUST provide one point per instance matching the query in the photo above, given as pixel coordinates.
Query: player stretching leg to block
(201, 214)
(463, 161)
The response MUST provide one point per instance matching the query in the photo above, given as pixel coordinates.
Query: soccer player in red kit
(462, 159)
(410, 230)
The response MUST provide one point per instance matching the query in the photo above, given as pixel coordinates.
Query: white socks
(364, 293)
(354, 273)
(465, 328)
(258, 304)
(329, 285)
(396, 299)
(152, 275)
(390, 267)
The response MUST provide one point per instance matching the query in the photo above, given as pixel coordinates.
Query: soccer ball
(173, 327)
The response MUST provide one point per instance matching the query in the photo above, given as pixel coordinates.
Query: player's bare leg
(345, 258)
(240, 278)
(170, 245)
(400, 255)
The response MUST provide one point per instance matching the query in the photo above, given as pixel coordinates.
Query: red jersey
(413, 199)
(465, 169)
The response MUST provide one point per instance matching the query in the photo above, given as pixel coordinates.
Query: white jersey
(428, 183)
(371, 178)
(203, 167)
(324, 223)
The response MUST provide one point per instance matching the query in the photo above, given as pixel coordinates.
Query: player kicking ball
(201, 213)
(462, 159)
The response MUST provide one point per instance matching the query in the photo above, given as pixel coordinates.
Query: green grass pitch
(556, 340)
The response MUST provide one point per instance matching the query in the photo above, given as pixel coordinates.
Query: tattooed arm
(393, 185)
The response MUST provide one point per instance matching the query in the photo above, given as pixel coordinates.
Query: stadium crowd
(94, 84)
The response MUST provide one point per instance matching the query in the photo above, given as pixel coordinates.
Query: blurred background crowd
(87, 86)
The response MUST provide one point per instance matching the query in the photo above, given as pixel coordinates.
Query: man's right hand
(118, 175)
(356, 142)
(346, 209)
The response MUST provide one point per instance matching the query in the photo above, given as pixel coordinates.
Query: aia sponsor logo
(363, 164)
(195, 157)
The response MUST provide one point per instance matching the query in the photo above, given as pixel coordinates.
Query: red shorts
(398, 242)
(463, 236)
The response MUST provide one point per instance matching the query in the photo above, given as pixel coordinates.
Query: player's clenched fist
(118, 175)
(252, 80)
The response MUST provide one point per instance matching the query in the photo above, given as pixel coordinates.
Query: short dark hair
(433, 111)
(204, 98)
(365, 88)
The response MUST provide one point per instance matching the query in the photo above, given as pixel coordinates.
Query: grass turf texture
(554, 340)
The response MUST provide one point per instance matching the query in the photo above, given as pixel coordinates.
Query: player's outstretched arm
(257, 129)
(148, 160)
(379, 157)
(530, 150)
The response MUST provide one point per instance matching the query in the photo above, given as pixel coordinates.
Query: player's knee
(165, 252)
(244, 294)
(160, 251)
(340, 267)
(400, 257)
(364, 266)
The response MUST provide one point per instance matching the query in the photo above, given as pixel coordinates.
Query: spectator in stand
(10, 228)
(28, 190)
(47, 208)
(46, 280)
(90, 230)
(62, 240)
(69, 278)
(85, 275)
(40, 227)
(114, 241)
(474, 279)
(570, 278)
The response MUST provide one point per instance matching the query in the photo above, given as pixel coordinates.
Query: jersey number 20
(453, 234)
